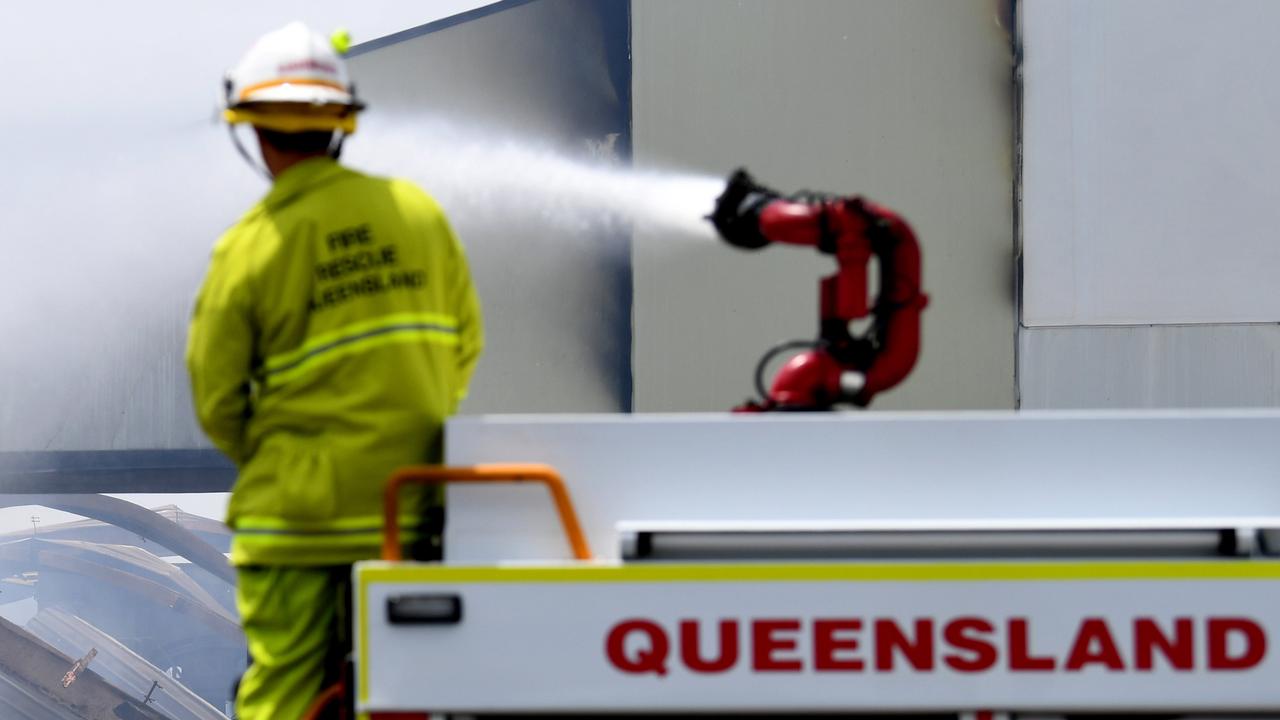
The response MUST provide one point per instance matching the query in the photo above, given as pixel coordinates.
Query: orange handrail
(438, 475)
(334, 693)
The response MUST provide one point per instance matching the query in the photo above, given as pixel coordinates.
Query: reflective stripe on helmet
(247, 91)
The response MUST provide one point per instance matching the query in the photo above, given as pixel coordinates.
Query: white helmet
(293, 80)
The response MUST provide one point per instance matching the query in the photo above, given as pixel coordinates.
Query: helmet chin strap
(334, 151)
(259, 168)
(335, 144)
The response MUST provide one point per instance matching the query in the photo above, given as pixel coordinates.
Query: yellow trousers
(295, 622)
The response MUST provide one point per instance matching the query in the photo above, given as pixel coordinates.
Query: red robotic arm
(839, 367)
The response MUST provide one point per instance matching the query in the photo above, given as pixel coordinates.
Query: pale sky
(85, 63)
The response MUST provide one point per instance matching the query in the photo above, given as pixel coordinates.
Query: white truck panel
(852, 470)
(1107, 636)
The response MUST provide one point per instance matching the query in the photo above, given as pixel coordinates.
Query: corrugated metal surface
(120, 666)
(1150, 366)
(18, 702)
(147, 569)
(907, 101)
(28, 663)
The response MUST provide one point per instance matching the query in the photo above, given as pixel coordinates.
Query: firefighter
(335, 331)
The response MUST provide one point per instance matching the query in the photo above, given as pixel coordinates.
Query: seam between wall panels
(1015, 43)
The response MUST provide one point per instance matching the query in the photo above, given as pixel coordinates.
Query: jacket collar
(299, 178)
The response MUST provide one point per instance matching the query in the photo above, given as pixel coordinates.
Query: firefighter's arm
(219, 355)
(470, 323)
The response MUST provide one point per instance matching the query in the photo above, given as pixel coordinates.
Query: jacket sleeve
(466, 306)
(219, 356)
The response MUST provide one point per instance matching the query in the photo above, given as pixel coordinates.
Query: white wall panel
(858, 470)
(908, 102)
(1151, 148)
(1150, 367)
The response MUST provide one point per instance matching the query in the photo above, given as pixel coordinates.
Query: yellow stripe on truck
(1012, 571)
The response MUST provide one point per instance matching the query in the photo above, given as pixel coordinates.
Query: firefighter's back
(367, 328)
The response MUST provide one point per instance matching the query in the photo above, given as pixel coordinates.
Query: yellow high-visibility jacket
(336, 330)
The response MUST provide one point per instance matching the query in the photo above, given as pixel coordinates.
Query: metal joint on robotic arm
(898, 307)
(839, 368)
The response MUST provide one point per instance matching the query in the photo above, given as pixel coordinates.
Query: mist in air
(474, 169)
(115, 194)
(105, 251)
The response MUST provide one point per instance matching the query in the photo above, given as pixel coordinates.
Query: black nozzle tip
(736, 216)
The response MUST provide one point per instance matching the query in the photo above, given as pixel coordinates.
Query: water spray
(488, 172)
